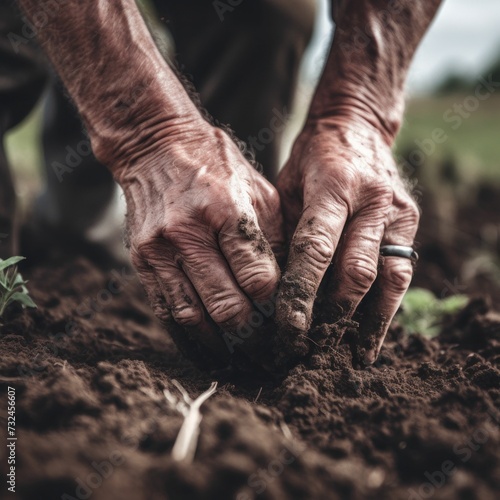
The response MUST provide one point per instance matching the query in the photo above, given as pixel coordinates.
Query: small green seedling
(12, 286)
(422, 312)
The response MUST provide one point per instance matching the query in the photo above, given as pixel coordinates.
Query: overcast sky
(464, 37)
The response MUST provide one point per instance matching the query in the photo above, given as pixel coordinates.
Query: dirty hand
(203, 225)
(343, 198)
(202, 222)
(341, 192)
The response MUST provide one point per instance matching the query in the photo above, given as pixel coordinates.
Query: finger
(250, 257)
(311, 251)
(195, 340)
(270, 220)
(394, 277)
(211, 277)
(227, 305)
(181, 298)
(187, 309)
(151, 287)
(355, 265)
(291, 202)
(380, 307)
(255, 268)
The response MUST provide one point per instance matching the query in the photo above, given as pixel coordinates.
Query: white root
(185, 445)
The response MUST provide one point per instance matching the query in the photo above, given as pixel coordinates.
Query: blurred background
(448, 147)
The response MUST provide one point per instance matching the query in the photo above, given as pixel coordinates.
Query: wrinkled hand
(203, 225)
(343, 198)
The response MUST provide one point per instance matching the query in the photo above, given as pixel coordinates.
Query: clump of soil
(248, 229)
(90, 364)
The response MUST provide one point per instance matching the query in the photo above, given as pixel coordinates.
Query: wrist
(347, 141)
(373, 46)
(352, 108)
(172, 148)
(135, 136)
(343, 122)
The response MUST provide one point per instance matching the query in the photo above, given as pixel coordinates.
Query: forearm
(125, 92)
(367, 66)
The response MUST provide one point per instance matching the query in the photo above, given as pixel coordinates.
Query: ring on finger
(399, 251)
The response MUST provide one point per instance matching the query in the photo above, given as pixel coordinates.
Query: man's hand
(342, 198)
(188, 190)
(203, 225)
(201, 220)
(341, 188)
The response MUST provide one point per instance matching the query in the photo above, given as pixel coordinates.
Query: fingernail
(298, 320)
(370, 357)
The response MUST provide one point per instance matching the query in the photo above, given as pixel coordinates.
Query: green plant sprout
(12, 286)
(422, 312)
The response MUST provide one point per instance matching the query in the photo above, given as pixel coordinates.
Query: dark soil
(90, 365)
(456, 243)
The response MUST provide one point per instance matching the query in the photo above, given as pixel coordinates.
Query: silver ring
(399, 251)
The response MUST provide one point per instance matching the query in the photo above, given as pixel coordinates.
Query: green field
(472, 142)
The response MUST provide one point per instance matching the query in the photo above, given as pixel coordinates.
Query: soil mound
(89, 367)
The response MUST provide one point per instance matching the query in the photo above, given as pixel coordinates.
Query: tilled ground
(89, 367)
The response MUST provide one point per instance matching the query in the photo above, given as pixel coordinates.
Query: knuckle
(381, 192)
(316, 248)
(187, 315)
(411, 213)
(274, 200)
(259, 284)
(136, 259)
(398, 273)
(348, 179)
(226, 310)
(360, 272)
(158, 304)
(175, 227)
(142, 268)
(173, 237)
(145, 247)
(161, 312)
